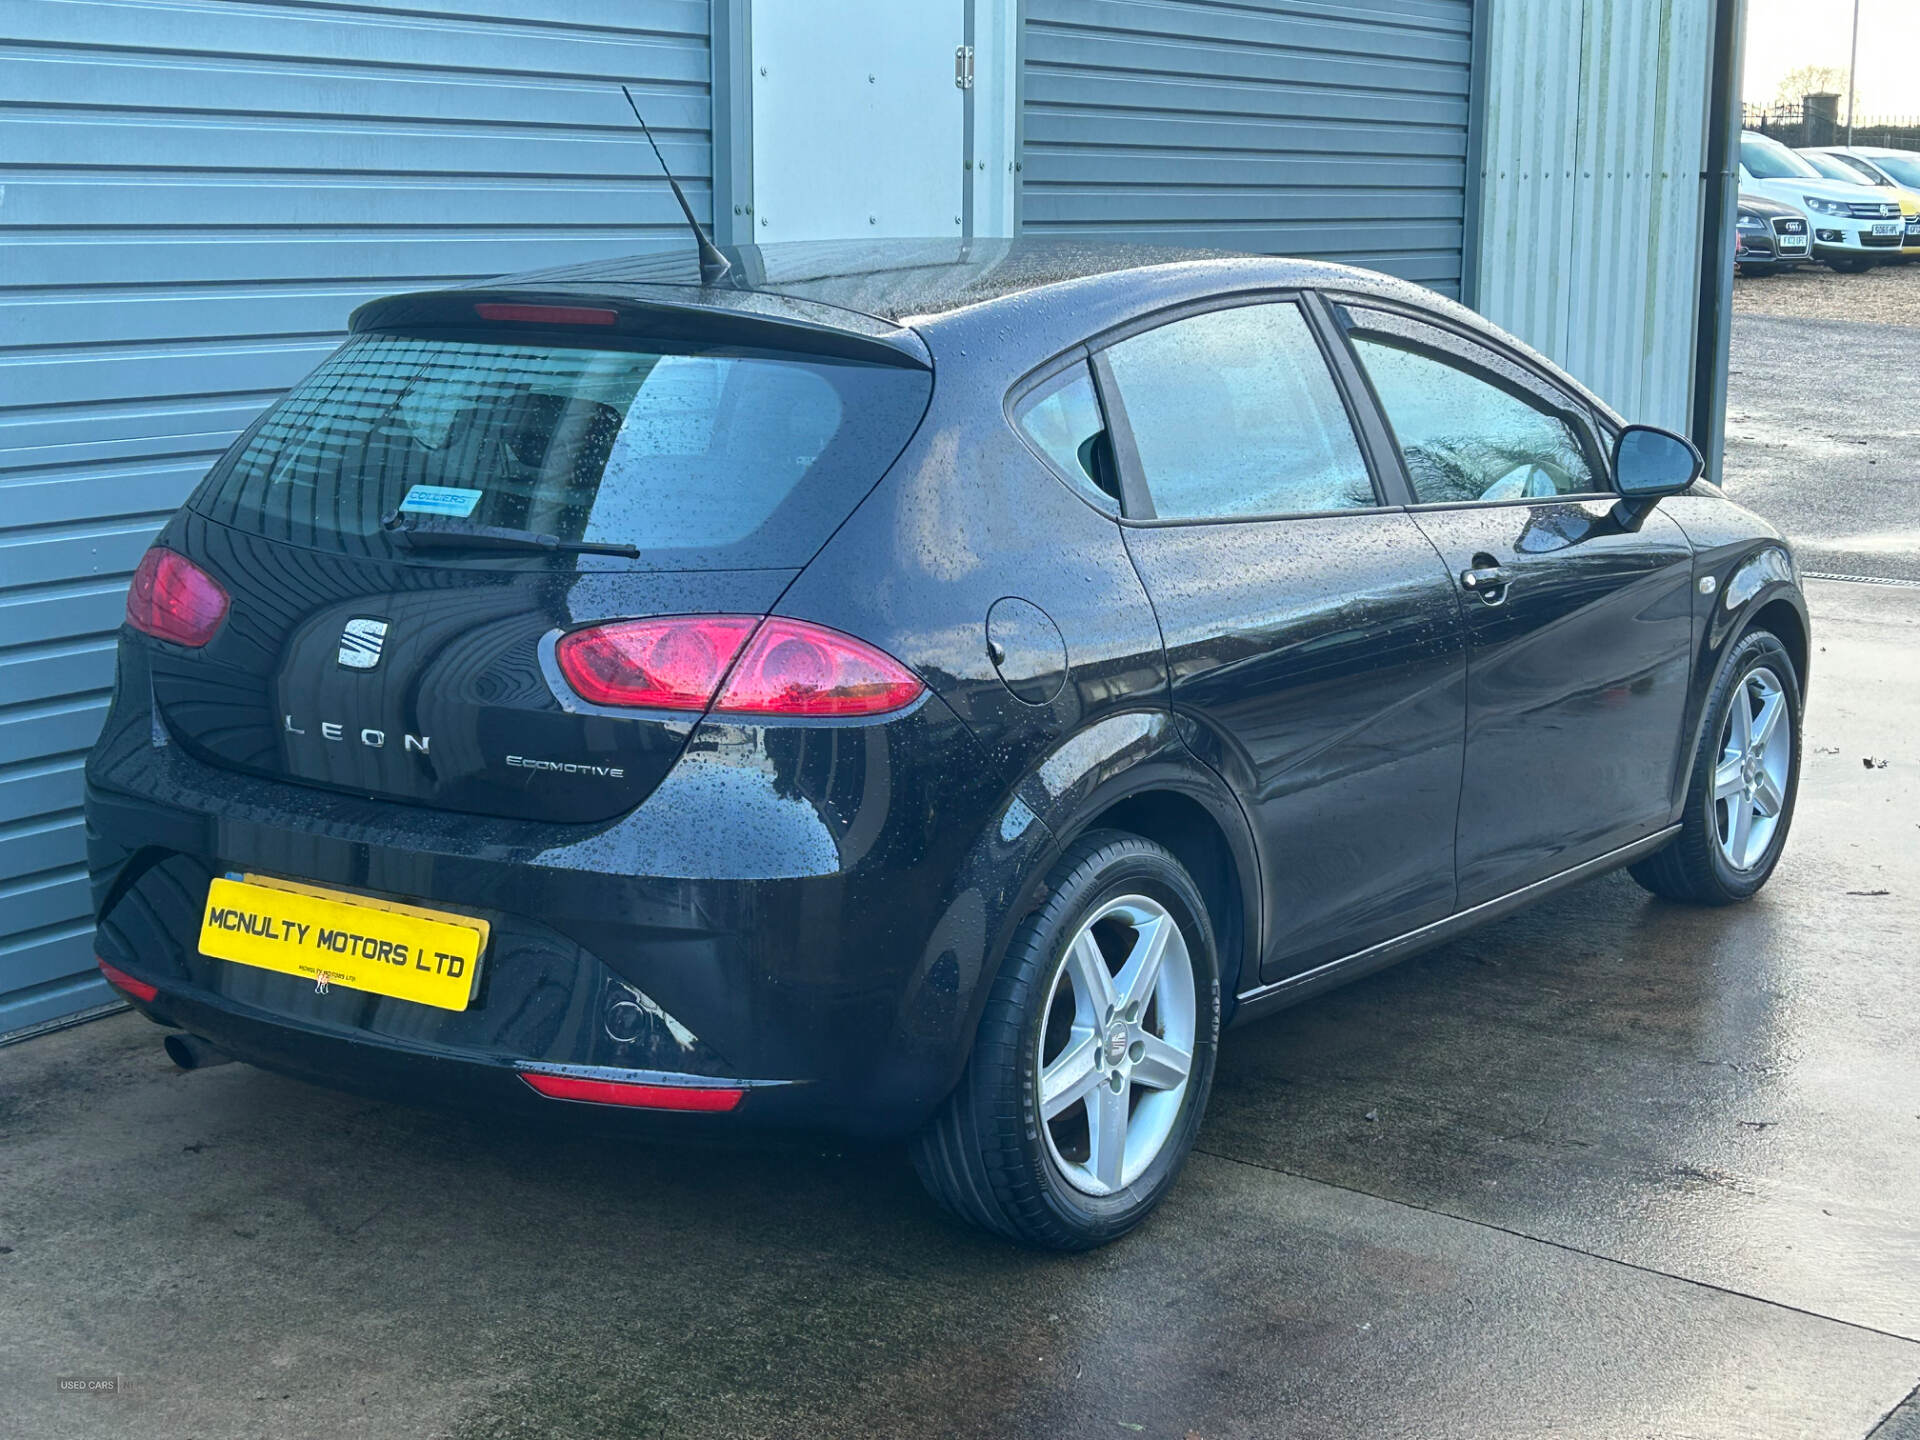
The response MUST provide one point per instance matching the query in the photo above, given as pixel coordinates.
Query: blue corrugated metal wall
(194, 197)
(1335, 129)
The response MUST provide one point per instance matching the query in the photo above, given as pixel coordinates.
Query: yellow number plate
(321, 935)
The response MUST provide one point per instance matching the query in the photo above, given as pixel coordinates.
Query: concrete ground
(1611, 1168)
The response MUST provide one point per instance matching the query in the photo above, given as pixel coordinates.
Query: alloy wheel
(1750, 779)
(1116, 1045)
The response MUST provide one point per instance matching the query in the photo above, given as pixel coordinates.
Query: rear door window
(715, 458)
(1234, 415)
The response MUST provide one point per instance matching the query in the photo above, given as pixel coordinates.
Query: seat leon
(914, 689)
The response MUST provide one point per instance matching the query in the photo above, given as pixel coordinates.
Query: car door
(1313, 642)
(1578, 622)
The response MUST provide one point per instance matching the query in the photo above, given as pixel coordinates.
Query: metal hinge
(963, 66)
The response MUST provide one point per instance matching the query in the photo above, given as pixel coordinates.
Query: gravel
(1823, 435)
(1885, 295)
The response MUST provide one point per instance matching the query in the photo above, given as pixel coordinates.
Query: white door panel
(858, 126)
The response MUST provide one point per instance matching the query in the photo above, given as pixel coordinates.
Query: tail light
(788, 669)
(708, 1098)
(172, 598)
(793, 668)
(672, 664)
(120, 980)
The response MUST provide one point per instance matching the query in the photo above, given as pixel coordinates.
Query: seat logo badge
(361, 643)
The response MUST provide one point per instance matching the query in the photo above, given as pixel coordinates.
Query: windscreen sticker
(440, 500)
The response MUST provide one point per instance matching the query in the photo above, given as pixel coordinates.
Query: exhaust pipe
(190, 1052)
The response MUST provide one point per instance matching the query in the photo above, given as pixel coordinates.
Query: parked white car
(1854, 226)
(1892, 172)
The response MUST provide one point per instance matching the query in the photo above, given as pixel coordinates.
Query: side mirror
(1649, 462)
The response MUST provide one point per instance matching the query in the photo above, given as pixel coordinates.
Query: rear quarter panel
(969, 517)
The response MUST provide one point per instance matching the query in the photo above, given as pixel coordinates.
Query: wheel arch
(1771, 603)
(1787, 621)
(1180, 823)
(1130, 771)
(1690, 866)
(1138, 774)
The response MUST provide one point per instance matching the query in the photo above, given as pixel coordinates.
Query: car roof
(898, 282)
(1867, 150)
(893, 297)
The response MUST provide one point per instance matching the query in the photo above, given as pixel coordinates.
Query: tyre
(1094, 1057)
(1746, 773)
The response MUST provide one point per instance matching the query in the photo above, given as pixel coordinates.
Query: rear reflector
(645, 1097)
(790, 669)
(547, 314)
(120, 980)
(171, 598)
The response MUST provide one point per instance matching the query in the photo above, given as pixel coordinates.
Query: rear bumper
(541, 1006)
(804, 915)
(341, 1057)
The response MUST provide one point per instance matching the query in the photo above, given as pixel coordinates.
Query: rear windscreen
(704, 459)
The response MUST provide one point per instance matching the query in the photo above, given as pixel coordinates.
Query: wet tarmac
(1611, 1168)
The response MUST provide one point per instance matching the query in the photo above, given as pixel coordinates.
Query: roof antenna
(714, 269)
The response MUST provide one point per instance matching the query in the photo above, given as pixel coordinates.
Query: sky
(1783, 35)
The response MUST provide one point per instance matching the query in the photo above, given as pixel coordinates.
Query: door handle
(1489, 582)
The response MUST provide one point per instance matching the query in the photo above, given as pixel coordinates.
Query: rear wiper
(434, 532)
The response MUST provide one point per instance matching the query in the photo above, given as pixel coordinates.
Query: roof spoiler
(584, 315)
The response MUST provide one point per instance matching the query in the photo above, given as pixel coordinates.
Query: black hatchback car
(918, 689)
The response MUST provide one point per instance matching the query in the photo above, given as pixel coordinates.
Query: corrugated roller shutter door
(1331, 130)
(195, 196)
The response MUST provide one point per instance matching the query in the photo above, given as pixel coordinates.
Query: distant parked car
(1854, 226)
(1879, 166)
(1773, 236)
